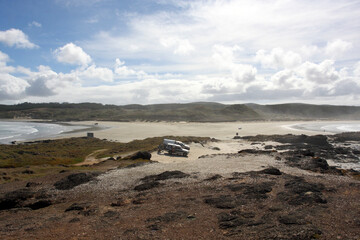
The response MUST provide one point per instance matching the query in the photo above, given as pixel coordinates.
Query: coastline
(41, 129)
(128, 131)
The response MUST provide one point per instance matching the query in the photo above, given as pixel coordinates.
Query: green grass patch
(74, 150)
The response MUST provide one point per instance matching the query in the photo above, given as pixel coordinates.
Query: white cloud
(323, 73)
(11, 87)
(357, 70)
(225, 59)
(337, 48)
(15, 37)
(278, 58)
(93, 73)
(72, 54)
(4, 58)
(35, 24)
(122, 71)
(286, 79)
(180, 46)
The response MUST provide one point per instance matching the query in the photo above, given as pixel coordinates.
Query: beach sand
(128, 131)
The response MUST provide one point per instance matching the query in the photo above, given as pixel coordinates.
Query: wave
(22, 131)
(327, 127)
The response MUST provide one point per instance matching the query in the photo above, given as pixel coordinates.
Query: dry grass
(74, 150)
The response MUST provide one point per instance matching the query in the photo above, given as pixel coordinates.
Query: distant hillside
(195, 112)
(306, 111)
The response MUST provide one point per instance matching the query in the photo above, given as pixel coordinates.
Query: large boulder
(141, 155)
(74, 180)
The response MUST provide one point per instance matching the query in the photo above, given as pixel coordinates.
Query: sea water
(338, 127)
(24, 131)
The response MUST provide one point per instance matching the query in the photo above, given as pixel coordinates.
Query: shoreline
(42, 132)
(128, 131)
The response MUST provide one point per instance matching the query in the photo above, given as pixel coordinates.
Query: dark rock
(119, 203)
(300, 192)
(292, 219)
(227, 221)
(216, 148)
(77, 207)
(252, 191)
(15, 198)
(111, 159)
(224, 217)
(27, 171)
(213, 178)
(139, 164)
(318, 163)
(222, 202)
(31, 184)
(268, 147)
(141, 155)
(110, 214)
(356, 152)
(243, 214)
(139, 200)
(165, 175)
(255, 151)
(168, 217)
(74, 220)
(74, 180)
(300, 186)
(275, 209)
(347, 136)
(272, 171)
(88, 212)
(154, 227)
(39, 204)
(317, 140)
(237, 187)
(147, 186)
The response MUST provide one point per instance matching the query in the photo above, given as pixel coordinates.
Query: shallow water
(24, 131)
(329, 127)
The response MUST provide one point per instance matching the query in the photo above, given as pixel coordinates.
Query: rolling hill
(193, 112)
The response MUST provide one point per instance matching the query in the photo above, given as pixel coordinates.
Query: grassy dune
(74, 150)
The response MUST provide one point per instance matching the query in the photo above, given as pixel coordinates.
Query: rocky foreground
(312, 200)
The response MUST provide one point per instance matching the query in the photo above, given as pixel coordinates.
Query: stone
(74, 180)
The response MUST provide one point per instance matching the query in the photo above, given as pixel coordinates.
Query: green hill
(193, 112)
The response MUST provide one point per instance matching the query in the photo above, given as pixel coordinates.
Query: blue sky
(157, 51)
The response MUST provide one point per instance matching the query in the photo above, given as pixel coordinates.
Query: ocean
(25, 131)
(332, 127)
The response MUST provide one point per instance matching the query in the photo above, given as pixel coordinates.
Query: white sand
(127, 131)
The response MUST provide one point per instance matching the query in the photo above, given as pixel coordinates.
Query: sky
(180, 51)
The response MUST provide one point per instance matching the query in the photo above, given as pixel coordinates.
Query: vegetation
(195, 112)
(74, 150)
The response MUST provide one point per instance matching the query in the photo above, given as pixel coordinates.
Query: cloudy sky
(176, 51)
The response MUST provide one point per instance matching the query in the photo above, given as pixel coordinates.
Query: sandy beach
(128, 131)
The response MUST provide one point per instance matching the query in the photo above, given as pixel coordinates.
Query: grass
(74, 150)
